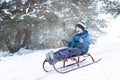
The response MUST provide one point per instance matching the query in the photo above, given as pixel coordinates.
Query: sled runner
(76, 63)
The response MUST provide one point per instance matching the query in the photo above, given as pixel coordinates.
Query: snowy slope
(28, 66)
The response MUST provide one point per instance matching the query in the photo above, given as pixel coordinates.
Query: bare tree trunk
(26, 41)
(18, 4)
(25, 34)
(30, 5)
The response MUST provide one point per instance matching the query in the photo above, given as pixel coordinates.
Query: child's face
(78, 30)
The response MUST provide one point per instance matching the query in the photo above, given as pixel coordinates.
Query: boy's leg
(75, 51)
(67, 53)
(61, 54)
(49, 55)
(50, 58)
(55, 56)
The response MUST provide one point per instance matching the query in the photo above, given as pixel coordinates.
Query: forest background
(43, 24)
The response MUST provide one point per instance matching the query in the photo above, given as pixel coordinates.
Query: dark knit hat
(81, 25)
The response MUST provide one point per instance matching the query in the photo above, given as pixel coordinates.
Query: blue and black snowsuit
(79, 44)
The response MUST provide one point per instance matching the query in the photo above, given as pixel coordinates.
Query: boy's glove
(67, 43)
(64, 42)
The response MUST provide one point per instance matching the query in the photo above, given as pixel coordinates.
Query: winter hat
(81, 25)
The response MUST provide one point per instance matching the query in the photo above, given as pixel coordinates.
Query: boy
(78, 45)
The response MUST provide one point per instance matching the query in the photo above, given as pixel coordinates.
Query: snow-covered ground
(27, 65)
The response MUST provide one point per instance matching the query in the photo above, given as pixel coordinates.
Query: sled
(76, 63)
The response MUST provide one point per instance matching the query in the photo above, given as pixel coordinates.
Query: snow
(27, 64)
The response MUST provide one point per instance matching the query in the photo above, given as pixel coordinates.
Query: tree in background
(35, 24)
(15, 32)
